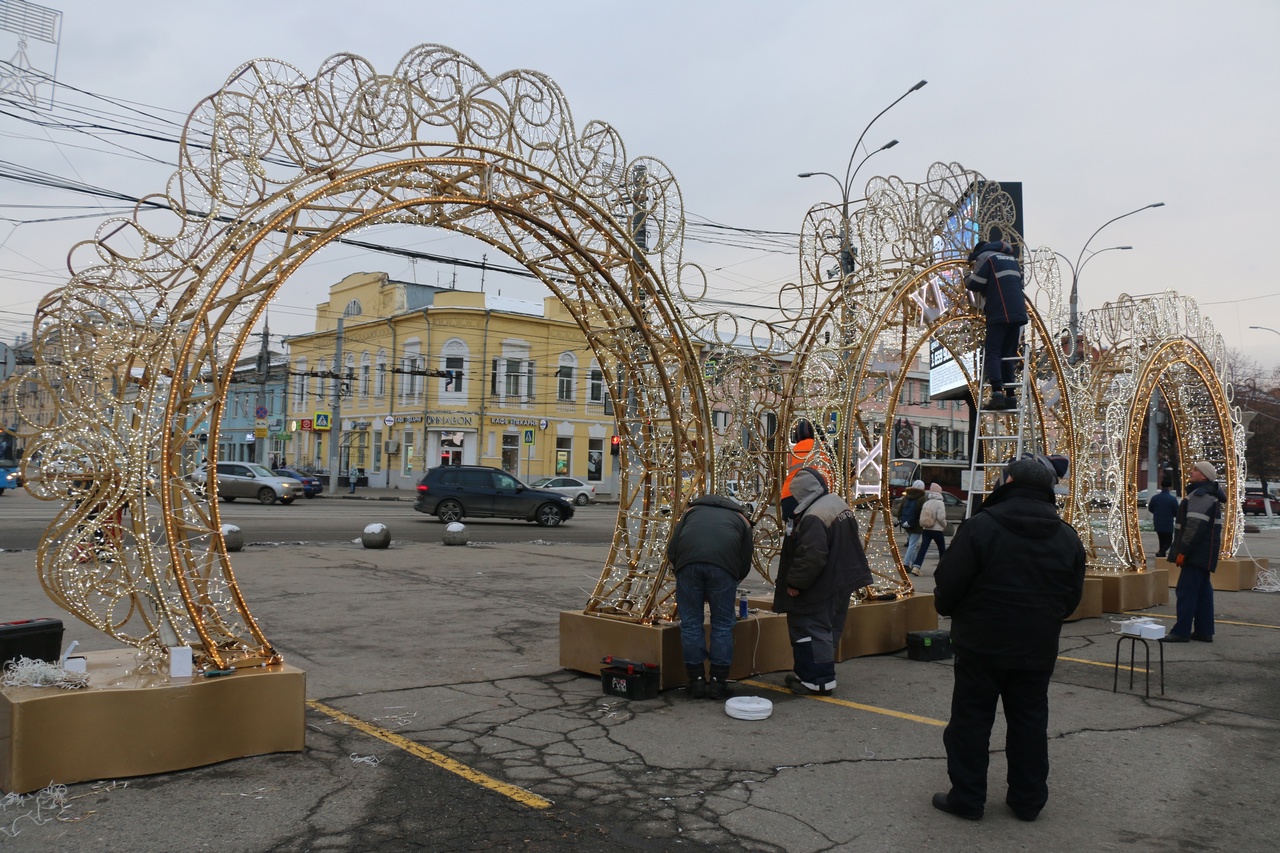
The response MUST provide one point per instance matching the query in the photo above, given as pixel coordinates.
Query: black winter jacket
(997, 276)
(712, 530)
(822, 556)
(1011, 575)
(1198, 529)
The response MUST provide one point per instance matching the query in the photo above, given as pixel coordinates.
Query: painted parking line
(902, 715)
(520, 795)
(1216, 621)
(1108, 664)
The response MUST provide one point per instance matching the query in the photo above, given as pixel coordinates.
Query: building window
(453, 365)
(595, 460)
(512, 388)
(564, 452)
(380, 382)
(596, 389)
(303, 381)
(564, 384)
(364, 375)
(720, 420)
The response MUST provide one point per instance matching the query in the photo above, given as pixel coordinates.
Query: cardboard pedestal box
(1124, 591)
(760, 642)
(1232, 575)
(1090, 606)
(130, 724)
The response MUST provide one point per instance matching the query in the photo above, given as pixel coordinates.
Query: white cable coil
(748, 708)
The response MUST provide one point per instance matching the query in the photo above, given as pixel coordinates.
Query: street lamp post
(1081, 260)
(1265, 329)
(846, 186)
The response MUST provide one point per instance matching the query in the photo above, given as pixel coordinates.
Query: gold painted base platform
(1091, 602)
(1122, 591)
(1230, 576)
(760, 642)
(127, 724)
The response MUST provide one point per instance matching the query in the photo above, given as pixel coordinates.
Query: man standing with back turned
(710, 551)
(1013, 573)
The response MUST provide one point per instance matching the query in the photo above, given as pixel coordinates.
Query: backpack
(910, 513)
(929, 514)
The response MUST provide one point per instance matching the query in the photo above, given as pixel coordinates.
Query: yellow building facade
(423, 376)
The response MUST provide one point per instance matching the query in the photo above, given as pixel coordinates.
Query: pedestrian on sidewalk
(1013, 573)
(1197, 538)
(821, 564)
(710, 552)
(1163, 506)
(909, 520)
(933, 526)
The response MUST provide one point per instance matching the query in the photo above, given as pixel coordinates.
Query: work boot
(998, 402)
(697, 681)
(718, 689)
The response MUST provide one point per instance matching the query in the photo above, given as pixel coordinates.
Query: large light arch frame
(155, 569)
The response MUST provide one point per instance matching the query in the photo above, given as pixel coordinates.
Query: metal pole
(335, 416)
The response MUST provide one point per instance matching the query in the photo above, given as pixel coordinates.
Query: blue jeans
(937, 538)
(913, 545)
(696, 584)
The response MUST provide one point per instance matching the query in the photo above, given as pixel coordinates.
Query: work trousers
(815, 637)
(1002, 344)
(967, 737)
(1195, 603)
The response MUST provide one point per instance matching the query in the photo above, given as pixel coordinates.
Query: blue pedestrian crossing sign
(321, 421)
(528, 436)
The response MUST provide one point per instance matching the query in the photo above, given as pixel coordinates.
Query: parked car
(248, 480)
(1253, 503)
(311, 486)
(571, 487)
(1142, 497)
(453, 492)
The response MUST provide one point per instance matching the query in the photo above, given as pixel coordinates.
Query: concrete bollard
(233, 537)
(455, 533)
(376, 536)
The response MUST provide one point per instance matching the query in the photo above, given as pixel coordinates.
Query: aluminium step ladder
(1001, 434)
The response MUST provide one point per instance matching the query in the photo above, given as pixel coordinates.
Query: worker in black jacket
(821, 564)
(1013, 573)
(997, 277)
(710, 551)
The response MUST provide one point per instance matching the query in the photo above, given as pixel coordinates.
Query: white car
(247, 480)
(571, 487)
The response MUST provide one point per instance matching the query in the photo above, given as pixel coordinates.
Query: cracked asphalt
(455, 650)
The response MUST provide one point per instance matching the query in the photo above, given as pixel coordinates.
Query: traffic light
(614, 444)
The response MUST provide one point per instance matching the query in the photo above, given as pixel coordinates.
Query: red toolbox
(38, 639)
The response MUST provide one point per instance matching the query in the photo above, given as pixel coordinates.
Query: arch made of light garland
(1140, 345)
(138, 350)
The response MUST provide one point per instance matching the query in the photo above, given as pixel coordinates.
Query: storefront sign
(513, 421)
(450, 420)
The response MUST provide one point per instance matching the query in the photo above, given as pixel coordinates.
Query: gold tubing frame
(137, 351)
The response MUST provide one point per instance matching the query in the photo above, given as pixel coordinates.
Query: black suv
(453, 491)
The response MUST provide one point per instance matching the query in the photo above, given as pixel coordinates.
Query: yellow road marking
(1215, 621)
(1108, 664)
(520, 795)
(915, 718)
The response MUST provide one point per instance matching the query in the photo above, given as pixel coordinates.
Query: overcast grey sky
(1097, 107)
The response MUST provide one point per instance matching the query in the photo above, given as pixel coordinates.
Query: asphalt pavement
(427, 655)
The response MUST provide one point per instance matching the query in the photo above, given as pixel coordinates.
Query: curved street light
(1266, 328)
(1081, 260)
(850, 173)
